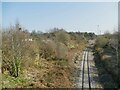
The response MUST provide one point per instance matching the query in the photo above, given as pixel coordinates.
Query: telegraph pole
(99, 31)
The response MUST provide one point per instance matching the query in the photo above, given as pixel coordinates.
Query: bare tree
(13, 43)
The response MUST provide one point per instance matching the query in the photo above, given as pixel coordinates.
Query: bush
(62, 36)
(47, 49)
(101, 41)
(52, 50)
(61, 50)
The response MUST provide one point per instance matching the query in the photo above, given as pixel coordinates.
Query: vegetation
(38, 57)
(107, 49)
(101, 41)
(119, 59)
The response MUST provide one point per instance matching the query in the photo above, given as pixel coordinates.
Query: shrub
(47, 49)
(61, 50)
(62, 36)
(101, 41)
(51, 50)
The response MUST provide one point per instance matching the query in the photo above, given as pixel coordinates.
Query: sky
(0, 13)
(60, 0)
(71, 16)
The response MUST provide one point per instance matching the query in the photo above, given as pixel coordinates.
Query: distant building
(28, 39)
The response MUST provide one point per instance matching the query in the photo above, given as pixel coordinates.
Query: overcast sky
(80, 16)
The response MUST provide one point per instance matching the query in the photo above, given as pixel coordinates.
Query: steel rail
(88, 69)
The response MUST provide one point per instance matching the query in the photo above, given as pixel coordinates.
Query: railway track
(88, 75)
(85, 72)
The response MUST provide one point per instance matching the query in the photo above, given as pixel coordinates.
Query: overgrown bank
(36, 59)
(107, 61)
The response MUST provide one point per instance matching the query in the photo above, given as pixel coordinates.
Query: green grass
(11, 82)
